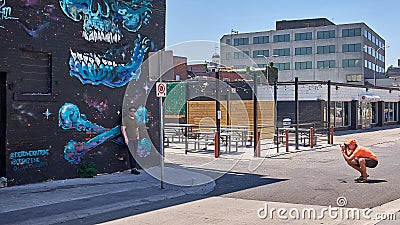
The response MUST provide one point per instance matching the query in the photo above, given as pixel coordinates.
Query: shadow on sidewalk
(228, 183)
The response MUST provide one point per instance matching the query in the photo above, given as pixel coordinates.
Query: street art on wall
(101, 105)
(144, 148)
(22, 114)
(5, 12)
(142, 115)
(69, 117)
(67, 66)
(101, 21)
(31, 159)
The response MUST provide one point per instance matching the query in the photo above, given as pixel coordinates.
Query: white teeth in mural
(95, 36)
(79, 56)
(101, 36)
(85, 58)
(94, 59)
(97, 60)
(108, 37)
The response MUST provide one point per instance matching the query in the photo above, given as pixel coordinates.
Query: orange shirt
(363, 152)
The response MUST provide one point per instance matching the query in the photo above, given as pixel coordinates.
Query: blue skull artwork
(102, 20)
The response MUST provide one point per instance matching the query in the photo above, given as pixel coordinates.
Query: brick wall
(38, 43)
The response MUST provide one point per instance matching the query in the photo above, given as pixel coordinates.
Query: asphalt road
(317, 177)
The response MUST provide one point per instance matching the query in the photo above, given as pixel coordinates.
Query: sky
(194, 28)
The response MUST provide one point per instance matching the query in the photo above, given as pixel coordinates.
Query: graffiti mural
(69, 117)
(22, 114)
(5, 12)
(144, 148)
(34, 32)
(67, 66)
(101, 105)
(101, 21)
(31, 159)
(142, 115)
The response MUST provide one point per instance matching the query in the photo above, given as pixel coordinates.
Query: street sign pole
(161, 92)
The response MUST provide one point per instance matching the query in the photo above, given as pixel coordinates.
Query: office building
(310, 49)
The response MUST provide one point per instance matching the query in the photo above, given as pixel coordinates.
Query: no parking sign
(161, 89)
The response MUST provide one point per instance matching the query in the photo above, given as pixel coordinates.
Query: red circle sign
(161, 89)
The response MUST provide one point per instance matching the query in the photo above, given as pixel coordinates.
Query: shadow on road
(376, 181)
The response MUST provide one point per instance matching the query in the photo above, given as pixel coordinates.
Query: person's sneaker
(135, 171)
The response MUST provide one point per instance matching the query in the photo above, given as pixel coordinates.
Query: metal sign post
(161, 91)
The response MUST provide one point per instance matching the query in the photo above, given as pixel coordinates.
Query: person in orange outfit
(359, 158)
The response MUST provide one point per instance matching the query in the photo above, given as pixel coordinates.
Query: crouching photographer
(359, 158)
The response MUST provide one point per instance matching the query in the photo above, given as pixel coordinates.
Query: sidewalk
(64, 200)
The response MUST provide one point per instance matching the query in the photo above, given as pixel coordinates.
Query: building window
(303, 65)
(374, 110)
(351, 47)
(303, 51)
(390, 111)
(339, 113)
(241, 55)
(37, 73)
(261, 40)
(326, 34)
(351, 32)
(282, 52)
(326, 49)
(303, 36)
(228, 41)
(282, 38)
(326, 64)
(365, 33)
(353, 78)
(351, 63)
(239, 67)
(282, 66)
(258, 53)
(241, 41)
(262, 65)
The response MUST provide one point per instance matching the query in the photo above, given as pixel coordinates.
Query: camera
(343, 145)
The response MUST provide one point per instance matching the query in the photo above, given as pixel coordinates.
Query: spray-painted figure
(69, 117)
(5, 12)
(142, 115)
(144, 148)
(101, 21)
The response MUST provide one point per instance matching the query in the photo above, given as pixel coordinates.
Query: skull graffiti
(101, 21)
(101, 18)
